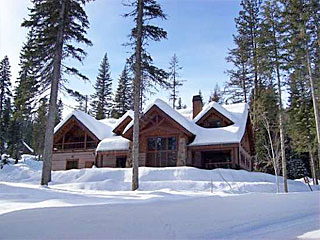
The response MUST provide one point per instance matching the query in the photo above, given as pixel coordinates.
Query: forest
(275, 69)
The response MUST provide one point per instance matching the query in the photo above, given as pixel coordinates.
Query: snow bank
(151, 179)
(310, 235)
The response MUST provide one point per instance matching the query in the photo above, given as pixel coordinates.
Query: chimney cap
(196, 98)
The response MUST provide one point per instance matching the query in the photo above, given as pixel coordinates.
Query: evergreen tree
(5, 95)
(174, 79)
(59, 112)
(301, 120)
(272, 63)
(25, 95)
(267, 105)
(102, 98)
(216, 96)
(144, 11)
(302, 45)
(82, 100)
(123, 96)
(151, 75)
(38, 126)
(179, 106)
(55, 24)
(240, 83)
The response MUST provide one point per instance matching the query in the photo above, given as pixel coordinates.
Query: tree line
(277, 47)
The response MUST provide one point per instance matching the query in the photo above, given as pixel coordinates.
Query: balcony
(74, 146)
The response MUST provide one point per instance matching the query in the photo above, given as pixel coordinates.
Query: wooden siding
(59, 160)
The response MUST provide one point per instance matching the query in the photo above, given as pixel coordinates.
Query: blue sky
(199, 32)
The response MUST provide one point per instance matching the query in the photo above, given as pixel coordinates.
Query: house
(210, 136)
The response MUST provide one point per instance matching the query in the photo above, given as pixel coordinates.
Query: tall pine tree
(102, 98)
(174, 79)
(5, 95)
(123, 96)
(55, 24)
(144, 11)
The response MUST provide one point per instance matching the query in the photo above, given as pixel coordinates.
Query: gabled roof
(176, 116)
(237, 113)
(97, 127)
(128, 115)
(102, 129)
(224, 135)
(217, 107)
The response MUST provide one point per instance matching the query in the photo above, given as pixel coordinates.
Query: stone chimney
(196, 105)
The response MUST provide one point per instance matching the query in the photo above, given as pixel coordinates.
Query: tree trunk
(314, 100)
(275, 163)
(136, 104)
(282, 144)
(312, 167)
(48, 143)
(281, 127)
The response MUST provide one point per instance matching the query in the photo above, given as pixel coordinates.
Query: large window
(162, 152)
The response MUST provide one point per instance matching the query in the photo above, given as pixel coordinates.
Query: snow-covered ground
(172, 203)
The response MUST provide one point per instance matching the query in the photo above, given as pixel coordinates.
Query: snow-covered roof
(129, 113)
(223, 135)
(237, 113)
(183, 121)
(216, 106)
(97, 127)
(186, 112)
(113, 143)
(102, 129)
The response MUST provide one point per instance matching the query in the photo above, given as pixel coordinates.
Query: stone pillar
(182, 152)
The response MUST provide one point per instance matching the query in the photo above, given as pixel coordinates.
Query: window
(72, 164)
(88, 164)
(162, 152)
(121, 162)
(212, 123)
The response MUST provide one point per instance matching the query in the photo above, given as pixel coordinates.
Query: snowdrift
(151, 179)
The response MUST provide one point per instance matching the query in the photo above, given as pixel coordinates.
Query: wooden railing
(213, 165)
(75, 145)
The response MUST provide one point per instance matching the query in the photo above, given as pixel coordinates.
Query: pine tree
(272, 63)
(216, 96)
(144, 11)
(102, 98)
(301, 119)
(81, 99)
(123, 96)
(152, 76)
(179, 106)
(5, 94)
(240, 83)
(301, 42)
(25, 94)
(40, 123)
(55, 24)
(174, 79)
(59, 112)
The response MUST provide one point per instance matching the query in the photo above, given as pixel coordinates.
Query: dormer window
(212, 123)
(213, 119)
